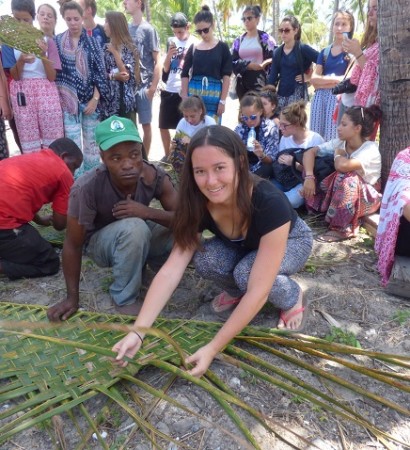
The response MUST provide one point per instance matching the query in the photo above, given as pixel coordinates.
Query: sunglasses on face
(204, 30)
(284, 30)
(247, 19)
(251, 117)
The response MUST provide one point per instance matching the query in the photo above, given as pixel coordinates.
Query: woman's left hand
(221, 109)
(299, 79)
(43, 45)
(285, 159)
(257, 149)
(201, 359)
(91, 107)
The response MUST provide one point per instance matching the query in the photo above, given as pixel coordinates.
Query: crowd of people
(73, 112)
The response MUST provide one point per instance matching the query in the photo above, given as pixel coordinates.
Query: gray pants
(229, 267)
(126, 245)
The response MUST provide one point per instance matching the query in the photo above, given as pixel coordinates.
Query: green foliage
(342, 337)
(401, 316)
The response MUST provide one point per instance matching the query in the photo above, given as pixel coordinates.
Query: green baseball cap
(114, 130)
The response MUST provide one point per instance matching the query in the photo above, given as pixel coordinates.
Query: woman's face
(250, 20)
(286, 32)
(286, 127)
(268, 107)
(46, 20)
(107, 28)
(372, 13)
(214, 173)
(341, 25)
(347, 129)
(251, 115)
(74, 21)
(192, 116)
(205, 31)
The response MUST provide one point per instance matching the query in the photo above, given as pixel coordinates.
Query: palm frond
(48, 370)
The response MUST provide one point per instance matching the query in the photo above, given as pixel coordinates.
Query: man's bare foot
(295, 317)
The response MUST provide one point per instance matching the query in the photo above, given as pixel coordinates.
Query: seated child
(194, 112)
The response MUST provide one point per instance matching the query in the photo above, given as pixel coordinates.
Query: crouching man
(109, 216)
(27, 182)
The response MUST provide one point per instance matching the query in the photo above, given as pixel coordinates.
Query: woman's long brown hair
(192, 204)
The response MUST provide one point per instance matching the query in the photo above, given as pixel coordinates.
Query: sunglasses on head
(204, 30)
(251, 117)
(247, 19)
(285, 30)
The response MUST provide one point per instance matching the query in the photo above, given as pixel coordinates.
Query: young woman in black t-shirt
(259, 242)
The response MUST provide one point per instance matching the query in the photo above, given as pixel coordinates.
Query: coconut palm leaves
(20, 35)
(47, 370)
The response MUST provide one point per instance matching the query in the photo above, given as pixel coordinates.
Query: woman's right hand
(309, 188)
(128, 346)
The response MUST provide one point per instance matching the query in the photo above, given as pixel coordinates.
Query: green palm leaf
(47, 370)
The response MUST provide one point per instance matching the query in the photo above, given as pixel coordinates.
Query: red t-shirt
(27, 182)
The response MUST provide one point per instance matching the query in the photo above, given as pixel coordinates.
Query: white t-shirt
(188, 129)
(368, 155)
(177, 62)
(313, 140)
(251, 50)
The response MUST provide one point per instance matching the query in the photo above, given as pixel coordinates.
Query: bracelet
(96, 99)
(141, 339)
(336, 156)
(222, 102)
(310, 177)
(359, 56)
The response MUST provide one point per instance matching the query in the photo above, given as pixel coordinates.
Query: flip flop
(332, 236)
(287, 317)
(221, 304)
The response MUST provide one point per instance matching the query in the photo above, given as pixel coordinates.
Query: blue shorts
(144, 106)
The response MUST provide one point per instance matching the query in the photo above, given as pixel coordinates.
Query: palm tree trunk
(394, 80)
(335, 8)
(147, 10)
(276, 18)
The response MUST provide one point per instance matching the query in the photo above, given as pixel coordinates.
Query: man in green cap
(109, 215)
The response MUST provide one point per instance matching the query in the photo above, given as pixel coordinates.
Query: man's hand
(63, 310)
(129, 208)
(45, 221)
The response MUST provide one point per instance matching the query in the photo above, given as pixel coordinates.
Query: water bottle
(251, 138)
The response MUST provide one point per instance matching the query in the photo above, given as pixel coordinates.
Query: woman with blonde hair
(122, 65)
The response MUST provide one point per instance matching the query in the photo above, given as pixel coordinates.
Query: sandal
(286, 317)
(332, 236)
(222, 304)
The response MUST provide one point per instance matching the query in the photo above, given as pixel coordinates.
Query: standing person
(33, 92)
(365, 73)
(259, 243)
(292, 63)
(5, 113)
(252, 53)
(331, 66)
(266, 144)
(27, 182)
(123, 68)
(92, 28)
(393, 231)
(81, 83)
(295, 134)
(47, 19)
(109, 215)
(146, 38)
(352, 191)
(210, 64)
(177, 46)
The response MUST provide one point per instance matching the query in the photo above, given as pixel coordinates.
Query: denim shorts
(144, 106)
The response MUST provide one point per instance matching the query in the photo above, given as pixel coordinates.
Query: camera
(21, 99)
(344, 87)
